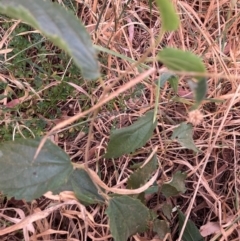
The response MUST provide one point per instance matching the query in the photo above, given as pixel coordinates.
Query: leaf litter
(202, 20)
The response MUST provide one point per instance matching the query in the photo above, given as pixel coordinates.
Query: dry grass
(210, 29)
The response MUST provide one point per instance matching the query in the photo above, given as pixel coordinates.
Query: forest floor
(31, 64)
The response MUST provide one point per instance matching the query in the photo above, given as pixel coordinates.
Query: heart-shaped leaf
(127, 216)
(24, 177)
(128, 139)
(58, 25)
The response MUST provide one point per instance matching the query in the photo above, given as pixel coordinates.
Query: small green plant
(27, 173)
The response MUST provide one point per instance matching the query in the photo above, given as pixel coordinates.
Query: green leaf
(183, 134)
(214, 100)
(153, 215)
(141, 66)
(174, 84)
(128, 139)
(161, 227)
(200, 89)
(179, 60)
(84, 188)
(142, 175)
(181, 100)
(153, 189)
(192, 84)
(58, 25)
(191, 232)
(164, 77)
(169, 17)
(65, 187)
(25, 178)
(167, 210)
(175, 186)
(3, 96)
(150, 3)
(127, 216)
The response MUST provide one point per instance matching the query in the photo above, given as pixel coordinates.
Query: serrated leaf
(175, 186)
(179, 60)
(128, 139)
(161, 227)
(169, 17)
(25, 178)
(142, 175)
(84, 188)
(191, 232)
(127, 216)
(59, 26)
(183, 135)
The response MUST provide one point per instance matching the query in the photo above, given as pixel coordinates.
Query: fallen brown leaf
(210, 228)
